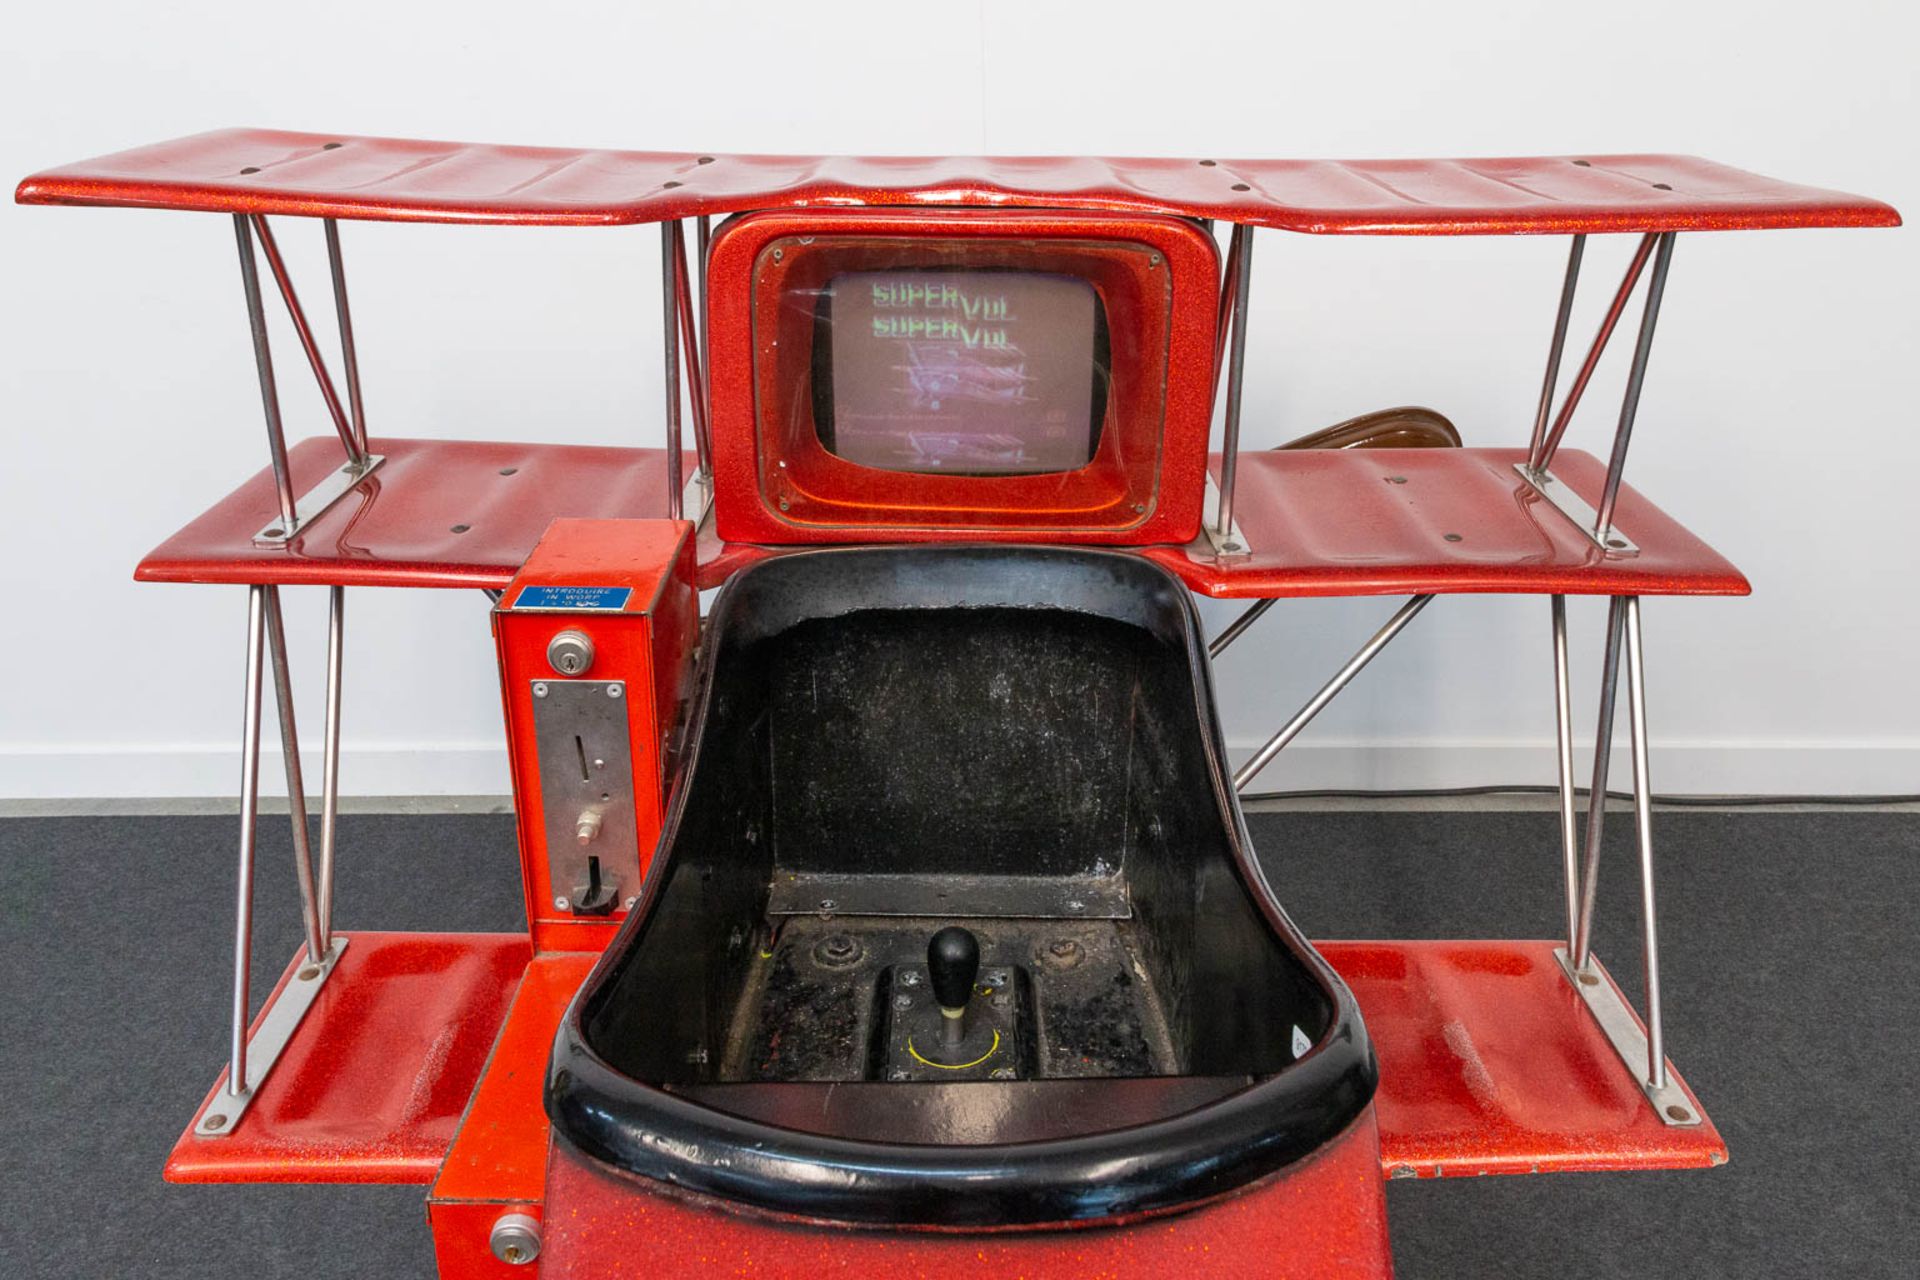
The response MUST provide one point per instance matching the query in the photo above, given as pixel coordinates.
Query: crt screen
(961, 372)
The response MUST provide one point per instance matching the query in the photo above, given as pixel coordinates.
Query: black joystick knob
(953, 962)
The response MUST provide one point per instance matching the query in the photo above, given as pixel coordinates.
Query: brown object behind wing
(1408, 427)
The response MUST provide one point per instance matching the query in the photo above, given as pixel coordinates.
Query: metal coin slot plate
(1675, 1109)
(315, 501)
(269, 1041)
(586, 766)
(1575, 508)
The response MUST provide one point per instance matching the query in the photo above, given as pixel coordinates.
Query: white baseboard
(196, 769)
(1745, 767)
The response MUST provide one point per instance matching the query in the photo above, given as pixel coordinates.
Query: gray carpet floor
(1791, 975)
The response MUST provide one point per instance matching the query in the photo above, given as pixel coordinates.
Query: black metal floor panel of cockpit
(814, 1007)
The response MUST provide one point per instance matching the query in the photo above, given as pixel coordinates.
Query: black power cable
(1524, 789)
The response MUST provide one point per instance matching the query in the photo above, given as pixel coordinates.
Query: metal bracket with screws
(278, 1022)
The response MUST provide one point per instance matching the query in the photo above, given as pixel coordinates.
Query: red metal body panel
(498, 1163)
(1355, 522)
(339, 176)
(1145, 482)
(1322, 1218)
(1491, 1063)
(649, 645)
(397, 527)
(372, 1086)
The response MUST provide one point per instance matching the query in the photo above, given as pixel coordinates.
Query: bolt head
(540, 689)
(897, 1074)
(615, 690)
(561, 903)
(903, 1002)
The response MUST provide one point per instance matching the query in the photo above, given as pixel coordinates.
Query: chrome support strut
(249, 815)
(296, 789)
(330, 761)
(1238, 626)
(670, 257)
(1643, 831)
(1636, 379)
(349, 356)
(1241, 256)
(263, 362)
(1563, 719)
(1597, 797)
(304, 331)
(1640, 1043)
(1341, 678)
(1556, 349)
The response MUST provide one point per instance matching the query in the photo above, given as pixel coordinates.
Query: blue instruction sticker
(594, 599)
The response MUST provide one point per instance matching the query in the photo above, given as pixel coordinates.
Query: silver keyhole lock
(515, 1238)
(570, 653)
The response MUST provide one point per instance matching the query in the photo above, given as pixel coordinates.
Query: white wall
(1777, 419)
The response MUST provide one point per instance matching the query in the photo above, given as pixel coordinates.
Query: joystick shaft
(953, 962)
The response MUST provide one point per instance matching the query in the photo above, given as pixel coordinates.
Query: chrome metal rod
(263, 362)
(1558, 348)
(296, 791)
(1223, 318)
(1242, 256)
(690, 349)
(1563, 717)
(1599, 347)
(670, 335)
(1636, 379)
(349, 355)
(1238, 626)
(1264, 756)
(1597, 798)
(278, 265)
(330, 764)
(1643, 829)
(249, 814)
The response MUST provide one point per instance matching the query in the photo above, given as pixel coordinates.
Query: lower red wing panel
(372, 1085)
(1490, 1063)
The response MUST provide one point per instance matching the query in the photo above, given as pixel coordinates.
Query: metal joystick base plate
(991, 1047)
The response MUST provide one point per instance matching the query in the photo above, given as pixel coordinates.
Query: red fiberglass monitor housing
(1013, 376)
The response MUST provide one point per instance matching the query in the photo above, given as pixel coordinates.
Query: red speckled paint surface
(1321, 522)
(1490, 1063)
(396, 528)
(1355, 522)
(498, 1163)
(373, 1084)
(1321, 1218)
(340, 176)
